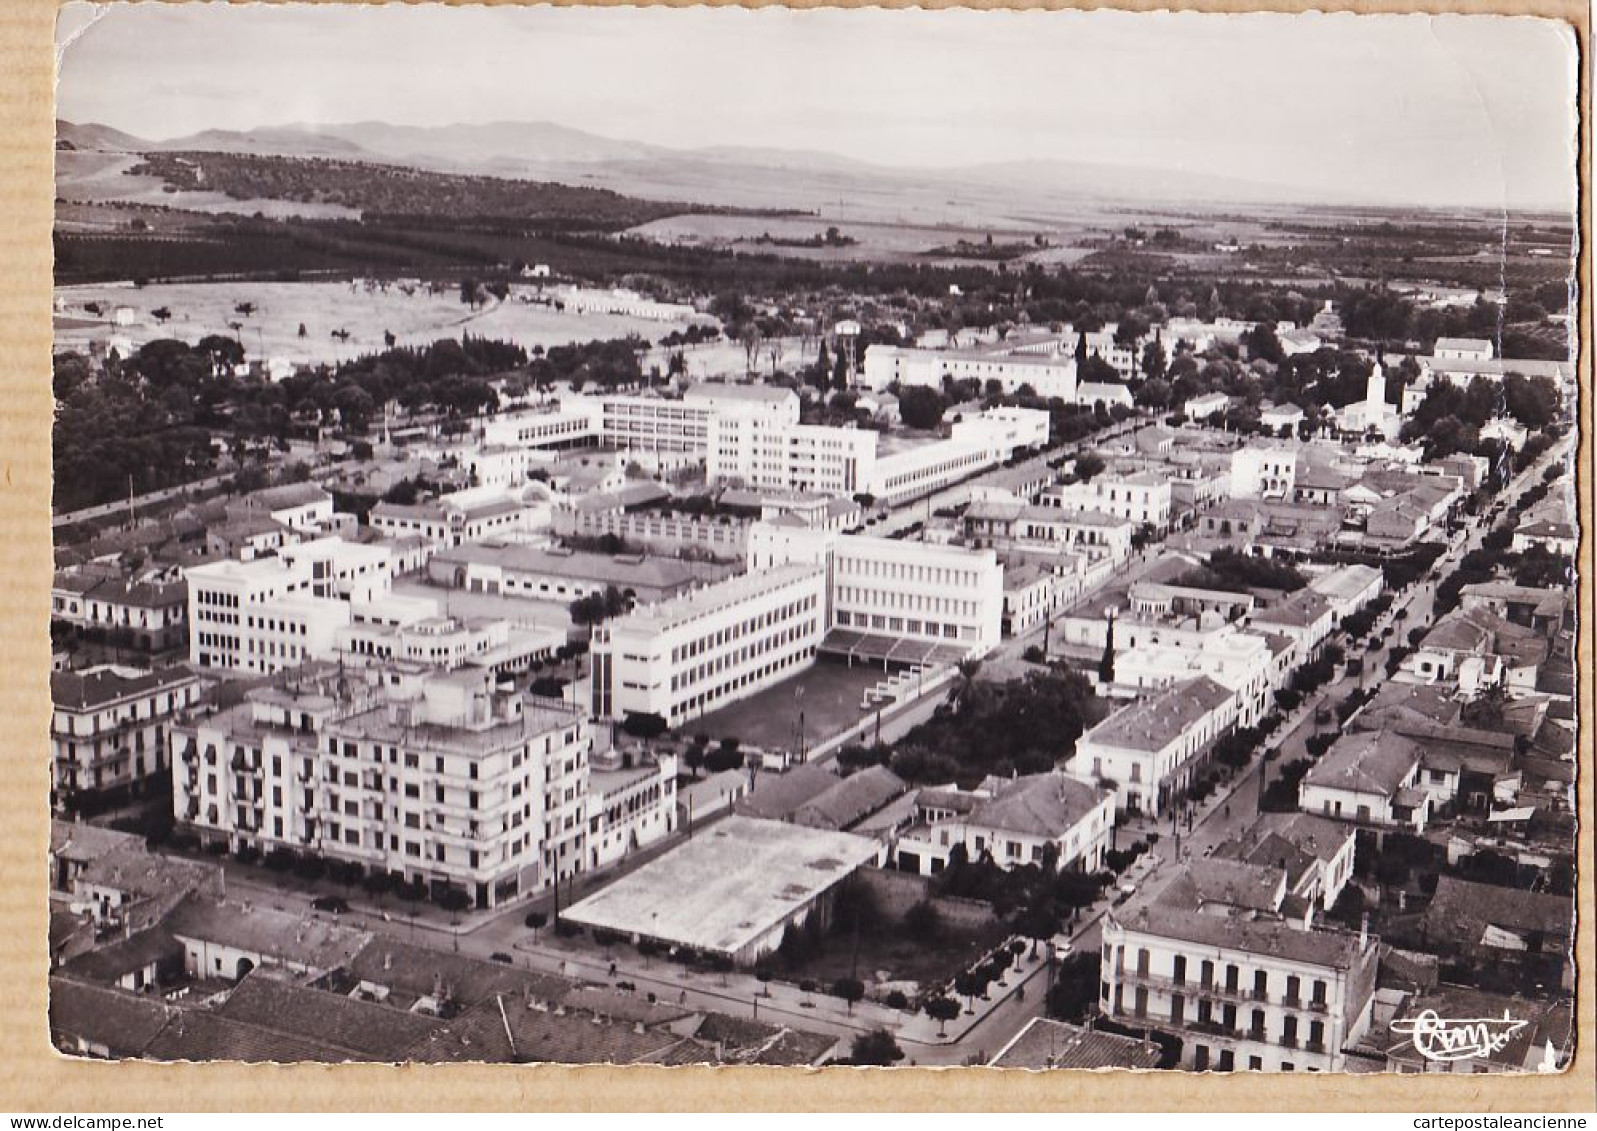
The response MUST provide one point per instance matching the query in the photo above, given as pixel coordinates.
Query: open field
(106, 178)
(875, 240)
(272, 330)
(728, 360)
(770, 719)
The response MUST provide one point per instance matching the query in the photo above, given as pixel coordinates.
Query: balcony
(1318, 1006)
(1314, 1046)
(1194, 989)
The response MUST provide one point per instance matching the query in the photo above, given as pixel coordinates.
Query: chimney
(1364, 932)
(388, 960)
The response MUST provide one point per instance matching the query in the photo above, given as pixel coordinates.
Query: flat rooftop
(730, 884)
(728, 594)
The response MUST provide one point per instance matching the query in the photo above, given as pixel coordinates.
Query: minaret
(1375, 395)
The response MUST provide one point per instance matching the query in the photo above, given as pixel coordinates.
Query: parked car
(501, 956)
(333, 904)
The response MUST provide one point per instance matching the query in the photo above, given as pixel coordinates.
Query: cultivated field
(874, 240)
(272, 330)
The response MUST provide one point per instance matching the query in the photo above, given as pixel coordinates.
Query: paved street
(972, 1037)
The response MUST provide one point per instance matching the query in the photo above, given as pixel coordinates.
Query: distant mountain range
(731, 175)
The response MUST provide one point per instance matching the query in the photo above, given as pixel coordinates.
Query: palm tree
(967, 676)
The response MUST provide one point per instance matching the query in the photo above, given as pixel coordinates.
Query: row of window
(937, 470)
(907, 602)
(908, 625)
(738, 656)
(1210, 977)
(942, 576)
(746, 627)
(711, 696)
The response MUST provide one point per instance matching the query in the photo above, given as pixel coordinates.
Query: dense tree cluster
(118, 432)
(596, 608)
(1016, 727)
(393, 190)
(1234, 572)
(447, 376)
(1450, 417)
(607, 364)
(921, 407)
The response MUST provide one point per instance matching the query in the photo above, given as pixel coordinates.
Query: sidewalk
(672, 982)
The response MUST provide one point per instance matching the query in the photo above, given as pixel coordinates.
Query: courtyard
(827, 693)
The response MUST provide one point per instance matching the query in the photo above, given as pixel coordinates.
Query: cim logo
(1444, 1039)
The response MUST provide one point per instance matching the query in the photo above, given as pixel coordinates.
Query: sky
(1440, 110)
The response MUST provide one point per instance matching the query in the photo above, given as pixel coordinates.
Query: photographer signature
(1444, 1039)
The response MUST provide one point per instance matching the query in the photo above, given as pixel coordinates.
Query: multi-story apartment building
(1102, 344)
(444, 642)
(304, 507)
(271, 613)
(655, 529)
(632, 803)
(1149, 751)
(1142, 497)
(1372, 778)
(149, 613)
(770, 454)
(914, 473)
(576, 424)
(1008, 525)
(554, 574)
(110, 727)
(656, 424)
(257, 617)
(1216, 963)
(438, 776)
(686, 656)
(1242, 662)
(1349, 588)
(882, 586)
(1263, 471)
(1304, 616)
(1047, 376)
(661, 424)
(1004, 428)
(465, 516)
(1012, 822)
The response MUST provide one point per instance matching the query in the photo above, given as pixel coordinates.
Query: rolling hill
(735, 176)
